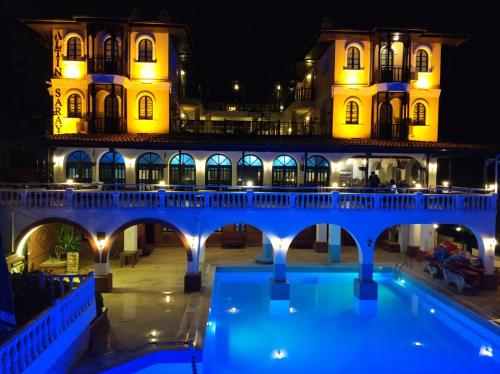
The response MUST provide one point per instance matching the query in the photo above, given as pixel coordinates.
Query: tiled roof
(200, 141)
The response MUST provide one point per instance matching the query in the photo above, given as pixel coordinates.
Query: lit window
(352, 113)
(353, 60)
(111, 50)
(422, 61)
(74, 106)
(149, 169)
(112, 168)
(240, 227)
(419, 114)
(182, 169)
(218, 171)
(284, 171)
(386, 57)
(73, 49)
(79, 167)
(145, 50)
(146, 107)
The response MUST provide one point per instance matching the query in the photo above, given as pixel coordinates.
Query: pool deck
(149, 308)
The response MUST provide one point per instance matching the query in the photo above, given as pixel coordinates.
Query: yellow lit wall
(345, 76)
(432, 78)
(364, 100)
(154, 71)
(430, 98)
(160, 121)
(60, 90)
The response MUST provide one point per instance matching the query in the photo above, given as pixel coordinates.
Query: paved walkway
(148, 303)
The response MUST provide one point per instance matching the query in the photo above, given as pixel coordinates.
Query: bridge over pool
(280, 214)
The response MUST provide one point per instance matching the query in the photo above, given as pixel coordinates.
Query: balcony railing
(102, 65)
(390, 131)
(299, 94)
(75, 306)
(109, 125)
(394, 74)
(243, 107)
(260, 128)
(447, 199)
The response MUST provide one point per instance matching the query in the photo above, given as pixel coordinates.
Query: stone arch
(24, 234)
(186, 239)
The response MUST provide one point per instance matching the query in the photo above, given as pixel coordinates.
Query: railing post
(206, 199)
(24, 198)
(249, 198)
(335, 199)
(161, 198)
(459, 202)
(376, 201)
(419, 200)
(68, 198)
(293, 199)
(116, 198)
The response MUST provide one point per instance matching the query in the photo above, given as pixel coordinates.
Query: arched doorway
(284, 171)
(79, 167)
(112, 168)
(111, 113)
(182, 170)
(317, 172)
(149, 169)
(250, 171)
(218, 171)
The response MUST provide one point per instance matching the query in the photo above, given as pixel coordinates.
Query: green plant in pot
(69, 241)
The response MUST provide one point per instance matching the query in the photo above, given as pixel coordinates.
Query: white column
(334, 243)
(267, 251)
(320, 244)
(404, 237)
(414, 235)
(427, 237)
(203, 250)
(130, 239)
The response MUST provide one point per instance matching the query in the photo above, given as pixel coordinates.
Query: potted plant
(69, 241)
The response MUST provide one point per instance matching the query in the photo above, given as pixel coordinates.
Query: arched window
(352, 113)
(386, 58)
(146, 107)
(145, 51)
(79, 167)
(419, 114)
(74, 49)
(250, 170)
(317, 171)
(110, 49)
(182, 170)
(422, 61)
(353, 58)
(149, 169)
(218, 171)
(284, 171)
(74, 106)
(112, 168)
(385, 114)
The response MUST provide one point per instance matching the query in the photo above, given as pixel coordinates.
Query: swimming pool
(320, 329)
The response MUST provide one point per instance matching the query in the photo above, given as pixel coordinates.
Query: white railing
(97, 199)
(28, 343)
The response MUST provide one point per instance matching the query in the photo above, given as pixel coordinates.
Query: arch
(352, 111)
(218, 170)
(317, 171)
(74, 105)
(145, 105)
(250, 169)
(182, 236)
(386, 57)
(149, 168)
(422, 58)
(31, 228)
(79, 167)
(112, 168)
(73, 43)
(182, 169)
(284, 172)
(385, 113)
(146, 48)
(111, 49)
(419, 115)
(353, 56)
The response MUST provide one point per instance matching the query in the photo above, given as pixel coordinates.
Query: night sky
(259, 42)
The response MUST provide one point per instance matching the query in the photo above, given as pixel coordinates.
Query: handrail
(29, 342)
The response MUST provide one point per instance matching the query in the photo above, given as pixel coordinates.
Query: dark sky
(259, 41)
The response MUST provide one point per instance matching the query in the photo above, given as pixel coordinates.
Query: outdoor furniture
(462, 276)
(127, 258)
(431, 266)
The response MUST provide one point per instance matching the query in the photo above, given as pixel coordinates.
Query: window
(74, 106)
(149, 169)
(352, 113)
(317, 171)
(240, 227)
(74, 49)
(111, 106)
(353, 58)
(218, 171)
(422, 61)
(111, 49)
(145, 51)
(386, 58)
(79, 167)
(385, 114)
(250, 170)
(182, 170)
(284, 171)
(146, 107)
(419, 114)
(112, 168)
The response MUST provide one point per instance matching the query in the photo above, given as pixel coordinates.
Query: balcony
(102, 65)
(391, 74)
(390, 131)
(243, 107)
(257, 128)
(103, 125)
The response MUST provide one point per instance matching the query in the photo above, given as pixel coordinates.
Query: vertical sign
(57, 71)
(58, 45)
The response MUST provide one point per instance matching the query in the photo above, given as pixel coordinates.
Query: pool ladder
(403, 262)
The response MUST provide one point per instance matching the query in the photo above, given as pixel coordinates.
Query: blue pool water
(321, 330)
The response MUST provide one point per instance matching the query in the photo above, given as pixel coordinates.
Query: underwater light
(233, 310)
(486, 351)
(279, 354)
(432, 310)
(417, 344)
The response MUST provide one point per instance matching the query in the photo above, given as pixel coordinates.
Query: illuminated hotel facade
(362, 101)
